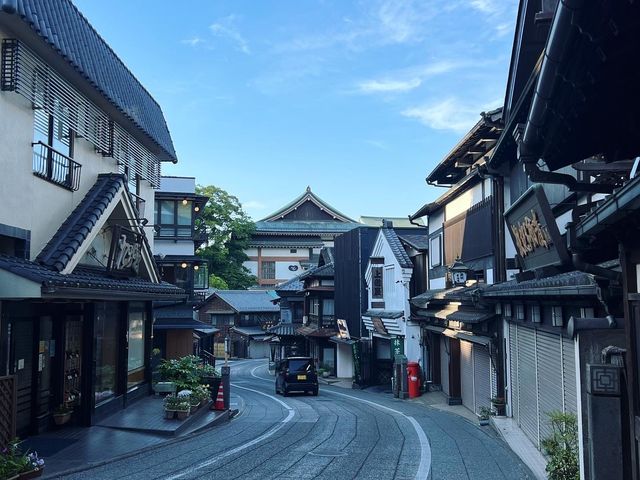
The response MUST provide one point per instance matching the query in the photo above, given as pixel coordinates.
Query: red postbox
(413, 373)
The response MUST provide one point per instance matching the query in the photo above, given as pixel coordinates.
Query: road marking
(233, 451)
(425, 449)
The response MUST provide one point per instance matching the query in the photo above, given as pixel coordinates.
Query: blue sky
(358, 99)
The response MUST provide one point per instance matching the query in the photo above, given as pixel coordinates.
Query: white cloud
(388, 86)
(193, 41)
(226, 28)
(486, 6)
(449, 114)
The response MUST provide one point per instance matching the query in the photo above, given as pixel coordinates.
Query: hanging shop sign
(378, 326)
(125, 253)
(343, 329)
(534, 231)
(397, 346)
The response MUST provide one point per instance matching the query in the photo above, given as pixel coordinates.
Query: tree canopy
(228, 229)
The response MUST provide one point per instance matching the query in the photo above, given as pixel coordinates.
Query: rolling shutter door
(466, 374)
(444, 363)
(513, 383)
(569, 373)
(482, 377)
(549, 378)
(528, 395)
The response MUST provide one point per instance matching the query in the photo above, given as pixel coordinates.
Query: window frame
(262, 269)
(377, 291)
(438, 243)
(173, 227)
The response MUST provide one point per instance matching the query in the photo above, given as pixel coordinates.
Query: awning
(182, 324)
(384, 326)
(345, 341)
(312, 331)
(441, 313)
(384, 313)
(466, 336)
(249, 331)
(471, 316)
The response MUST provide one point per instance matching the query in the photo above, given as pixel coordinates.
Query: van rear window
(300, 366)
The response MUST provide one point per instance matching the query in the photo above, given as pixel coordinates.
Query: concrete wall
(169, 247)
(464, 201)
(178, 184)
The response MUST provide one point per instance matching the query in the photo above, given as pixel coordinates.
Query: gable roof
(60, 24)
(419, 242)
(307, 196)
(324, 271)
(396, 247)
(76, 228)
(292, 285)
(301, 227)
(249, 300)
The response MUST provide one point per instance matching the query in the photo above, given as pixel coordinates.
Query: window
(328, 306)
(535, 314)
(377, 282)
(201, 276)
(268, 270)
(135, 339)
(105, 351)
(293, 250)
(173, 218)
(587, 312)
(498, 308)
(435, 245)
(520, 312)
(556, 316)
(507, 310)
(314, 306)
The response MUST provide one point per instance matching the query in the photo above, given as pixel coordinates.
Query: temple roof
(329, 213)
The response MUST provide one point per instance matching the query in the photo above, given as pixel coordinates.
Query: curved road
(341, 434)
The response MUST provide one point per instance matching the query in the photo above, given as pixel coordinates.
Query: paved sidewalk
(128, 432)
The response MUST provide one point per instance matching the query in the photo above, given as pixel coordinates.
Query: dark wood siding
(351, 253)
(469, 235)
(307, 211)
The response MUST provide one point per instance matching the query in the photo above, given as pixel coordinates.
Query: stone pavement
(136, 429)
(504, 426)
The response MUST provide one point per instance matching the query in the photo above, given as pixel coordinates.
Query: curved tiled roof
(302, 227)
(69, 33)
(249, 300)
(307, 196)
(76, 228)
(396, 247)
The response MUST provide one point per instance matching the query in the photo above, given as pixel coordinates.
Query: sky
(357, 99)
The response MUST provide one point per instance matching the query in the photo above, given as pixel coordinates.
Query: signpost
(397, 346)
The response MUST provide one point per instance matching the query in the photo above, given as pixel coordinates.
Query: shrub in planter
(183, 409)
(498, 405)
(62, 414)
(562, 447)
(186, 372)
(15, 464)
(483, 415)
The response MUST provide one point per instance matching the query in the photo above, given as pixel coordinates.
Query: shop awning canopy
(471, 316)
(345, 341)
(384, 313)
(183, 324)
(466, 336)
(313, 331)
(20, 278)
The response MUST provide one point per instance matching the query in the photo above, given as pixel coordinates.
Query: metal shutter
(444, 363)
(482, 377)
(512, 382)
(466, 374)
(549, 378)
(569, 375)
(528, 395)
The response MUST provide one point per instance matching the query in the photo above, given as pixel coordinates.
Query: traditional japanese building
(289, 241)
(82, 144)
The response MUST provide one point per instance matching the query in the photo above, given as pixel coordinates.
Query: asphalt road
(341, 434)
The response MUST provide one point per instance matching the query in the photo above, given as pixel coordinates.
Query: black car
(296, 374)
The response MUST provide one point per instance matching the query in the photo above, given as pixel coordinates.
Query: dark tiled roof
(249, 300)
(396, 247)
(384, 313)
(307, 196)
(78, 225)
(67, 31)
(284, 329)
(249, 331)
(326, 271)
(471, 316)
(304, 227)
(182, 324)
(313, 331)
(419, 242)
(285, 241)
(174, 312)
(570, 283)
(94, 283)
(292, 285)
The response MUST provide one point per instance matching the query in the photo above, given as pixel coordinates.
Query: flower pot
(169, 414)
(194, 408)
(182, 414)
(499, 408)
(31, 474)
(483, 422)
(61, 418)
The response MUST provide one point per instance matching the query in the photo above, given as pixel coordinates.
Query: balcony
(55, 167)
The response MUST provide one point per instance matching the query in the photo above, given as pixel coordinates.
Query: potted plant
(171, 404)
(62, 414)
(33, 466)
(182, 409)
(499, 405)
(483, 416)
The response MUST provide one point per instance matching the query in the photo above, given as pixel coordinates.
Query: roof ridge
(307, 195)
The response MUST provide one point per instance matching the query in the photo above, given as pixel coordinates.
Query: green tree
(228, 229)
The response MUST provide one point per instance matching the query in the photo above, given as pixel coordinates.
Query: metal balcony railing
(55, 167)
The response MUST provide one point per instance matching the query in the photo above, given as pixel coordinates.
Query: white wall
(178, 184)
(489, 276)
(169, 247)
(283, 272)
(284, 252)
(345, 361)
(435, 221)
(252, 266)
(463, 201)
(437, 283)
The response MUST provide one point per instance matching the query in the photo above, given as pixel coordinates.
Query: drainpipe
(499, 262)
(527, 139)
(9, 6)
